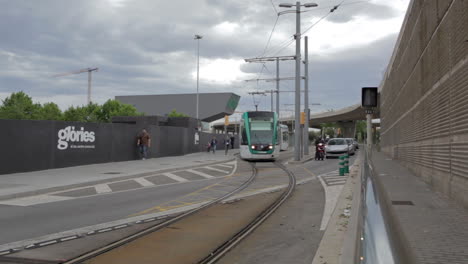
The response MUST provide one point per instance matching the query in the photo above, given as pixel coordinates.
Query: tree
(115, 108)
(88, 113)
(50, 111)
(174, 113)
(19, 106)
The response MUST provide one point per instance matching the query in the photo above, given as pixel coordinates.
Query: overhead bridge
(345, 117)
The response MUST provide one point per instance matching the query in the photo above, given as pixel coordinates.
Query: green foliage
(174, 113)
(115, 108)
(19, 106)
(87, 113)
(50, 111)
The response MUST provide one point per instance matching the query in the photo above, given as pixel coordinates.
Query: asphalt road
(25, 222)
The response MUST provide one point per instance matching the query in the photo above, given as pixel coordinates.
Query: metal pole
(277, 88)
(198, 70)
(369, 131)
(306, 97)
(297, 129)
(89, 86)
(271, 93)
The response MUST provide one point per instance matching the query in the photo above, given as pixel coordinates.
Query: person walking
(232, 141)
(213, 144)
(143, 143)
(227, 142)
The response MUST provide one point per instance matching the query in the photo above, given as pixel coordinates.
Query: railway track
(214, 256)
(161, 225)
(223, 247)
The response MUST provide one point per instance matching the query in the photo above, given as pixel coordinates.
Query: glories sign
(68, 135)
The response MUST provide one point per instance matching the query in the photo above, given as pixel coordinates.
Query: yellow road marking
(308, 171)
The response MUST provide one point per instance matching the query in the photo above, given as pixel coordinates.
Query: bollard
(342, 168)
(346, 163)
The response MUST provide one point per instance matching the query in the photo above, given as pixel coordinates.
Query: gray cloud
(147, 47)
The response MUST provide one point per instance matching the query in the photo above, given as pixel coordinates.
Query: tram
(283, 137)
(259, 136)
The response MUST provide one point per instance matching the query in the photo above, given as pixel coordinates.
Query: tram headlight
(270, 147)
(253, 147)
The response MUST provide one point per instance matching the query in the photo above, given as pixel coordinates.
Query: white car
(338, 147)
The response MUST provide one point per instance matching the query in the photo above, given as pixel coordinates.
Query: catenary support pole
(297, 101)
(271, 93)
(306, 97)
(277, 88)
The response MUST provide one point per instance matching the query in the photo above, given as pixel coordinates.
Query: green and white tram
(259, 136)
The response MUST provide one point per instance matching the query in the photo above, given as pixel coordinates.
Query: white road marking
(174, 177)
(225, 166)
(33, 200)
(144, 182)
(213, 169)
(102, 188)
(331, 198)
(200, 173)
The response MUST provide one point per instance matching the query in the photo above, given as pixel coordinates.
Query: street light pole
(198, 37)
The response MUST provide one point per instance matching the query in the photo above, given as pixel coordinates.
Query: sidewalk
(38, 182)
(434, 227)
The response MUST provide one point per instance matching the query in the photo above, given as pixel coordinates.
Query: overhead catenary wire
(286, 43)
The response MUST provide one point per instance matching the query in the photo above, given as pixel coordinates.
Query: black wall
(28, 145)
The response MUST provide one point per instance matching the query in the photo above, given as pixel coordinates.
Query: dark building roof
(212, 106)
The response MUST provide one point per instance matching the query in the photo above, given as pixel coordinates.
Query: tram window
(244, 137)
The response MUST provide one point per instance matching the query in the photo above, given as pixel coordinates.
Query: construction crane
(89, 70)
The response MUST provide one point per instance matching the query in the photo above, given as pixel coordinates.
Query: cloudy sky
(147, 47)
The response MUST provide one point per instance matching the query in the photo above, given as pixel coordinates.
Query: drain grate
(402, 203)
(112, 172)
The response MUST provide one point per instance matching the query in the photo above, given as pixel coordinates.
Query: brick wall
(424, 96)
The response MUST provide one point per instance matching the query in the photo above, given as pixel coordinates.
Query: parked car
(353, 142)
(356, 143)
(337, 147)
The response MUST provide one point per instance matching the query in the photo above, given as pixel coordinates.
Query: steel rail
(121, 242)
(218, 253)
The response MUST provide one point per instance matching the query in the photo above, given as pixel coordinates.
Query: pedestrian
(227, 142)
(232, 141)
(213, 144)
(143, 143)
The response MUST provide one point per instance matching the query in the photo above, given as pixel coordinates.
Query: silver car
(353, 142)
(337, 147)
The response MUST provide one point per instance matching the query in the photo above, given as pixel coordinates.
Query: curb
(335, 240)
(91, 183)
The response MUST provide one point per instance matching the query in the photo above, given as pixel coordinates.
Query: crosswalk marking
(213, 169)
(175, 177)
(32, 200)
(144, 182)
(102, 188)
(200, 173)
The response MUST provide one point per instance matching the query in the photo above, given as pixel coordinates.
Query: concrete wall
(424, 96)
(29, 145)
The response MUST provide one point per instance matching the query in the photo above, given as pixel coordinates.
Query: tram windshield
(261, 132)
